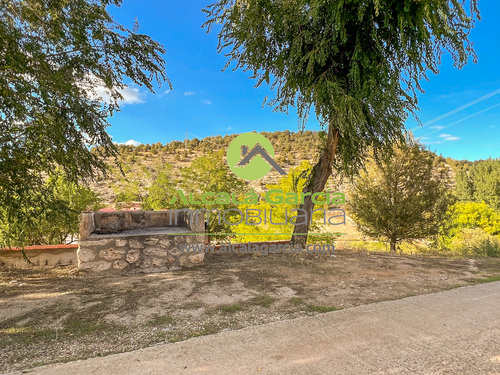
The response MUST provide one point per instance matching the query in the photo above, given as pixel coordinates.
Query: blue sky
(206, 101)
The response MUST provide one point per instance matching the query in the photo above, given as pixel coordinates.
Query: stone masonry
(138, 241)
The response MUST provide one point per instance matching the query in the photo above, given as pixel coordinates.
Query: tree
(292, 182)
(210, 173)
(63, 66)
(193, 144)
(57, 222)
(402, 198)
(480, 182)
(206, 174)
(357, 63)
(161, 191)
(471, 215)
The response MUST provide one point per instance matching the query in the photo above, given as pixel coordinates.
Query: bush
(472, 215)
(475, 242)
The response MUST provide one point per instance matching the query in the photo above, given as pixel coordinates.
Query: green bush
(471, 228)
(472, 215)
(475, 242)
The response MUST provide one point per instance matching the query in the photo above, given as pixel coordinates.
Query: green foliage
(320, 309)
(357, 63)
(161, 190)
(55, 57)
(471, 229)
(292, 182)
(474, 242)
(403, 198)
(54, 224)
(472, 215)
(209, 173)
(128, 192)
(480, 182)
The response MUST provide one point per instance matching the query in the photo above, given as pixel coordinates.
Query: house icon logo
(251, 156)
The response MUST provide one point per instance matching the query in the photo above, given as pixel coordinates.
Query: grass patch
(79, 328)
(489, 279)
(320, 309)
(25, 336)
(296, 301)
(230, 309)
(224, 309)
(175, 339)
(208, 329)
(160, 320)
(262, 300)
(367, 246)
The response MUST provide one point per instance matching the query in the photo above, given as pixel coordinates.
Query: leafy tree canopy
(56, 222)
(357, 63)
(472, 215)
(58, 60)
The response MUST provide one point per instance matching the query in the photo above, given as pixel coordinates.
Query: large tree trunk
(320, 173)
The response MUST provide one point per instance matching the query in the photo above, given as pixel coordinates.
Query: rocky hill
(141, 164)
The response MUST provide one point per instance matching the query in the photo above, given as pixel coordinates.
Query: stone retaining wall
(138, 241)
(40, 256)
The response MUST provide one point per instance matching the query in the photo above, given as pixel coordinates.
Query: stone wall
(40, 256)
(138, 241)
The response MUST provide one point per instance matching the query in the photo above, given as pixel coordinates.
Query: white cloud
(432, 142)
(207, 102)
(97, 90)
(164, 93)
(229, 128)
(131, 95)
(189, 93)
(131, 142)
(437, 127)
(449, 137)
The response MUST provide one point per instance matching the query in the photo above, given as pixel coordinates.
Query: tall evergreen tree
(480, 182)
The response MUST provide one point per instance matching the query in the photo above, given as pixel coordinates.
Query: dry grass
(61, 314)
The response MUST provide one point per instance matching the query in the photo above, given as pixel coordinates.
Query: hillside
(141, 164)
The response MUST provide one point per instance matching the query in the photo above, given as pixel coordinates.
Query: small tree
(161, 190)
(402, 198)
(206, 174)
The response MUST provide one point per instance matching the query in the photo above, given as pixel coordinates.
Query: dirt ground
(59, 315)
